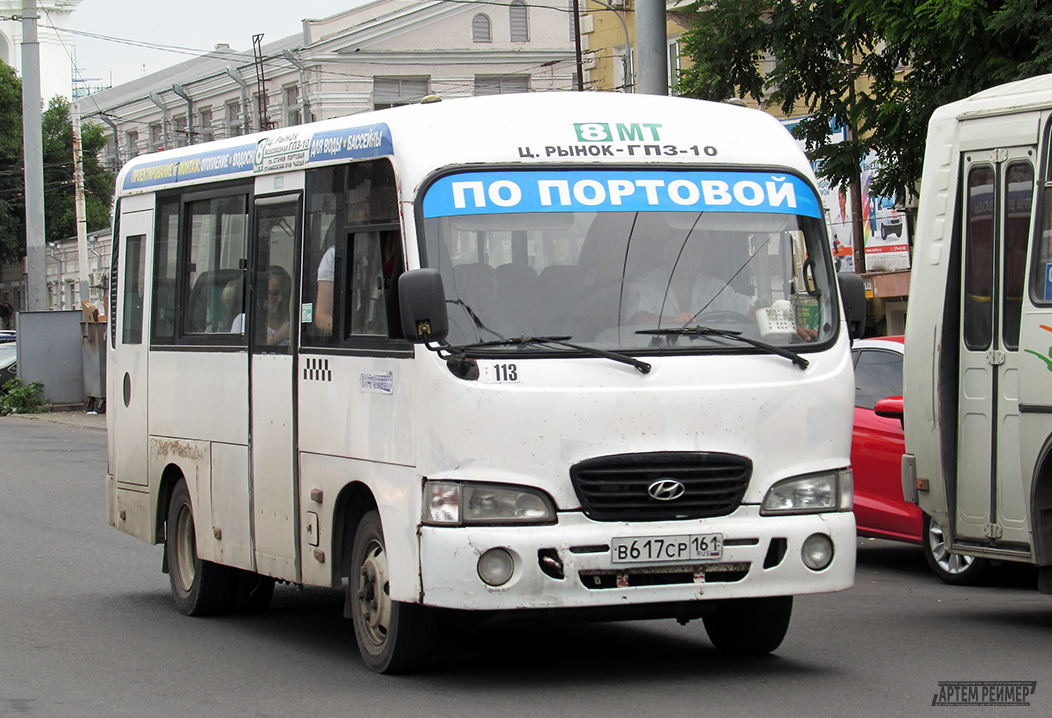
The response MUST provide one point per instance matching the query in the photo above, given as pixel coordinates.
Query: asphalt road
(87, 629)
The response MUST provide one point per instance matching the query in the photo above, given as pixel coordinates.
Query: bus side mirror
(423, 306)
(853, 294)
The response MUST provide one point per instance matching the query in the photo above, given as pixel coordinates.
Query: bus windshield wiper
(642, 366)
(700, 331)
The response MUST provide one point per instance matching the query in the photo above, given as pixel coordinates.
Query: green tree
(842, 61)
(12, 183)
(60, 221)
(59, 201)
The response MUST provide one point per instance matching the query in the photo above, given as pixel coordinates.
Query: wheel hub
(374, 599)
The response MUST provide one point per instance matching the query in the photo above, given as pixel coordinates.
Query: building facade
(378, 55)
(56, 64)
(608, 31)
(384, 53)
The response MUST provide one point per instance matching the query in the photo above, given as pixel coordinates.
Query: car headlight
(810, 494)
(454, 503)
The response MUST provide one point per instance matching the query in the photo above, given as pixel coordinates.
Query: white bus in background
(978, 365)
(580, 355)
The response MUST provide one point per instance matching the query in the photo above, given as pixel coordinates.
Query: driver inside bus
(653, 298)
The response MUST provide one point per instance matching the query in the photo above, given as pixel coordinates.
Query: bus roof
(1034, 93)
(520, 129)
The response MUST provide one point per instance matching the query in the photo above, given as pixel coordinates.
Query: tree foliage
(60, 220)
(59, 201)
(842, 61)
(12, 208)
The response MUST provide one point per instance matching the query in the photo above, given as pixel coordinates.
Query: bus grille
(622, 487)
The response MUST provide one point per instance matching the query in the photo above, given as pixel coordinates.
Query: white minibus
(978, 362)
(561, 356)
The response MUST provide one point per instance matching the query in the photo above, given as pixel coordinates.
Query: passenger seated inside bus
(279, 291)
(376, 258)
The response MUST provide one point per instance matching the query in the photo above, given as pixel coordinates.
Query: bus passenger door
(128, 366)
(272, 342)
(991, 505)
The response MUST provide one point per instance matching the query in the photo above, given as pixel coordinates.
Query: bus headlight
(454, 503)
(811, 494)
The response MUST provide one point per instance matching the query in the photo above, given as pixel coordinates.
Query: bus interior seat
(517, 290)
(559, 288)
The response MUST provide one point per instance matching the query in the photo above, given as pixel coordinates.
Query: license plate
(666, 549)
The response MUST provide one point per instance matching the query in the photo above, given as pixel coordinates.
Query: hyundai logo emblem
(666, 490)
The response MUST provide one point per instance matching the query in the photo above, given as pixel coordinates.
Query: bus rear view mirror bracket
(422, 299)
(853, 294)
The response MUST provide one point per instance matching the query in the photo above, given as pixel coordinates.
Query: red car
(877, 446)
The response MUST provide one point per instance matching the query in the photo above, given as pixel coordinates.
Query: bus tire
(954, 569)
(199, 588)
(749, 626)
(393, 637)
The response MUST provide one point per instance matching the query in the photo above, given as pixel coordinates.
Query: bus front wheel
(954, 569)
(749, 626)
(199, 588)
(393, 637)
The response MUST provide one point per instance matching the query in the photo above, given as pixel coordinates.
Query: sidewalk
(76, 418)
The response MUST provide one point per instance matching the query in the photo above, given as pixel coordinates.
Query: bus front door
(990, 501)
(271, 371)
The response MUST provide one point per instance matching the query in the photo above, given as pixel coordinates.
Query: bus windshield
(609, 279)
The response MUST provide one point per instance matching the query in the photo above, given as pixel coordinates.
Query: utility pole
(651, 48)
(577, 44)
(82, 215)
(33, 158)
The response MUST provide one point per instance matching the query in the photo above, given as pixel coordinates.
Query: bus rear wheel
(199, 588)
(393, 637)
(749, 626)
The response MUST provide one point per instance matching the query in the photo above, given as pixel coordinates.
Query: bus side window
(376, 261)
(1018, 203)
(164, 271)
(218, 241)
(134, 276)
(978, 259)
(350, 238)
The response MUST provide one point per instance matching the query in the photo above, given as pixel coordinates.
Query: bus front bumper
(572, 563)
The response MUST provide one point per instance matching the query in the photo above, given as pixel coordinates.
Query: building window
(293, 109)
(179, 124)
(132, 137)
(234, 126)
(206, 132)
(623, 61)
(673, 66)
(156, 137)
(395, 91)
(520, 22)
(481, 28)
(501, 84)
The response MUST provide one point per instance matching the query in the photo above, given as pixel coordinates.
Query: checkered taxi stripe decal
(317, 370)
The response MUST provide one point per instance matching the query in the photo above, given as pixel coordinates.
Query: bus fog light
(496, 567)
(817, 552)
